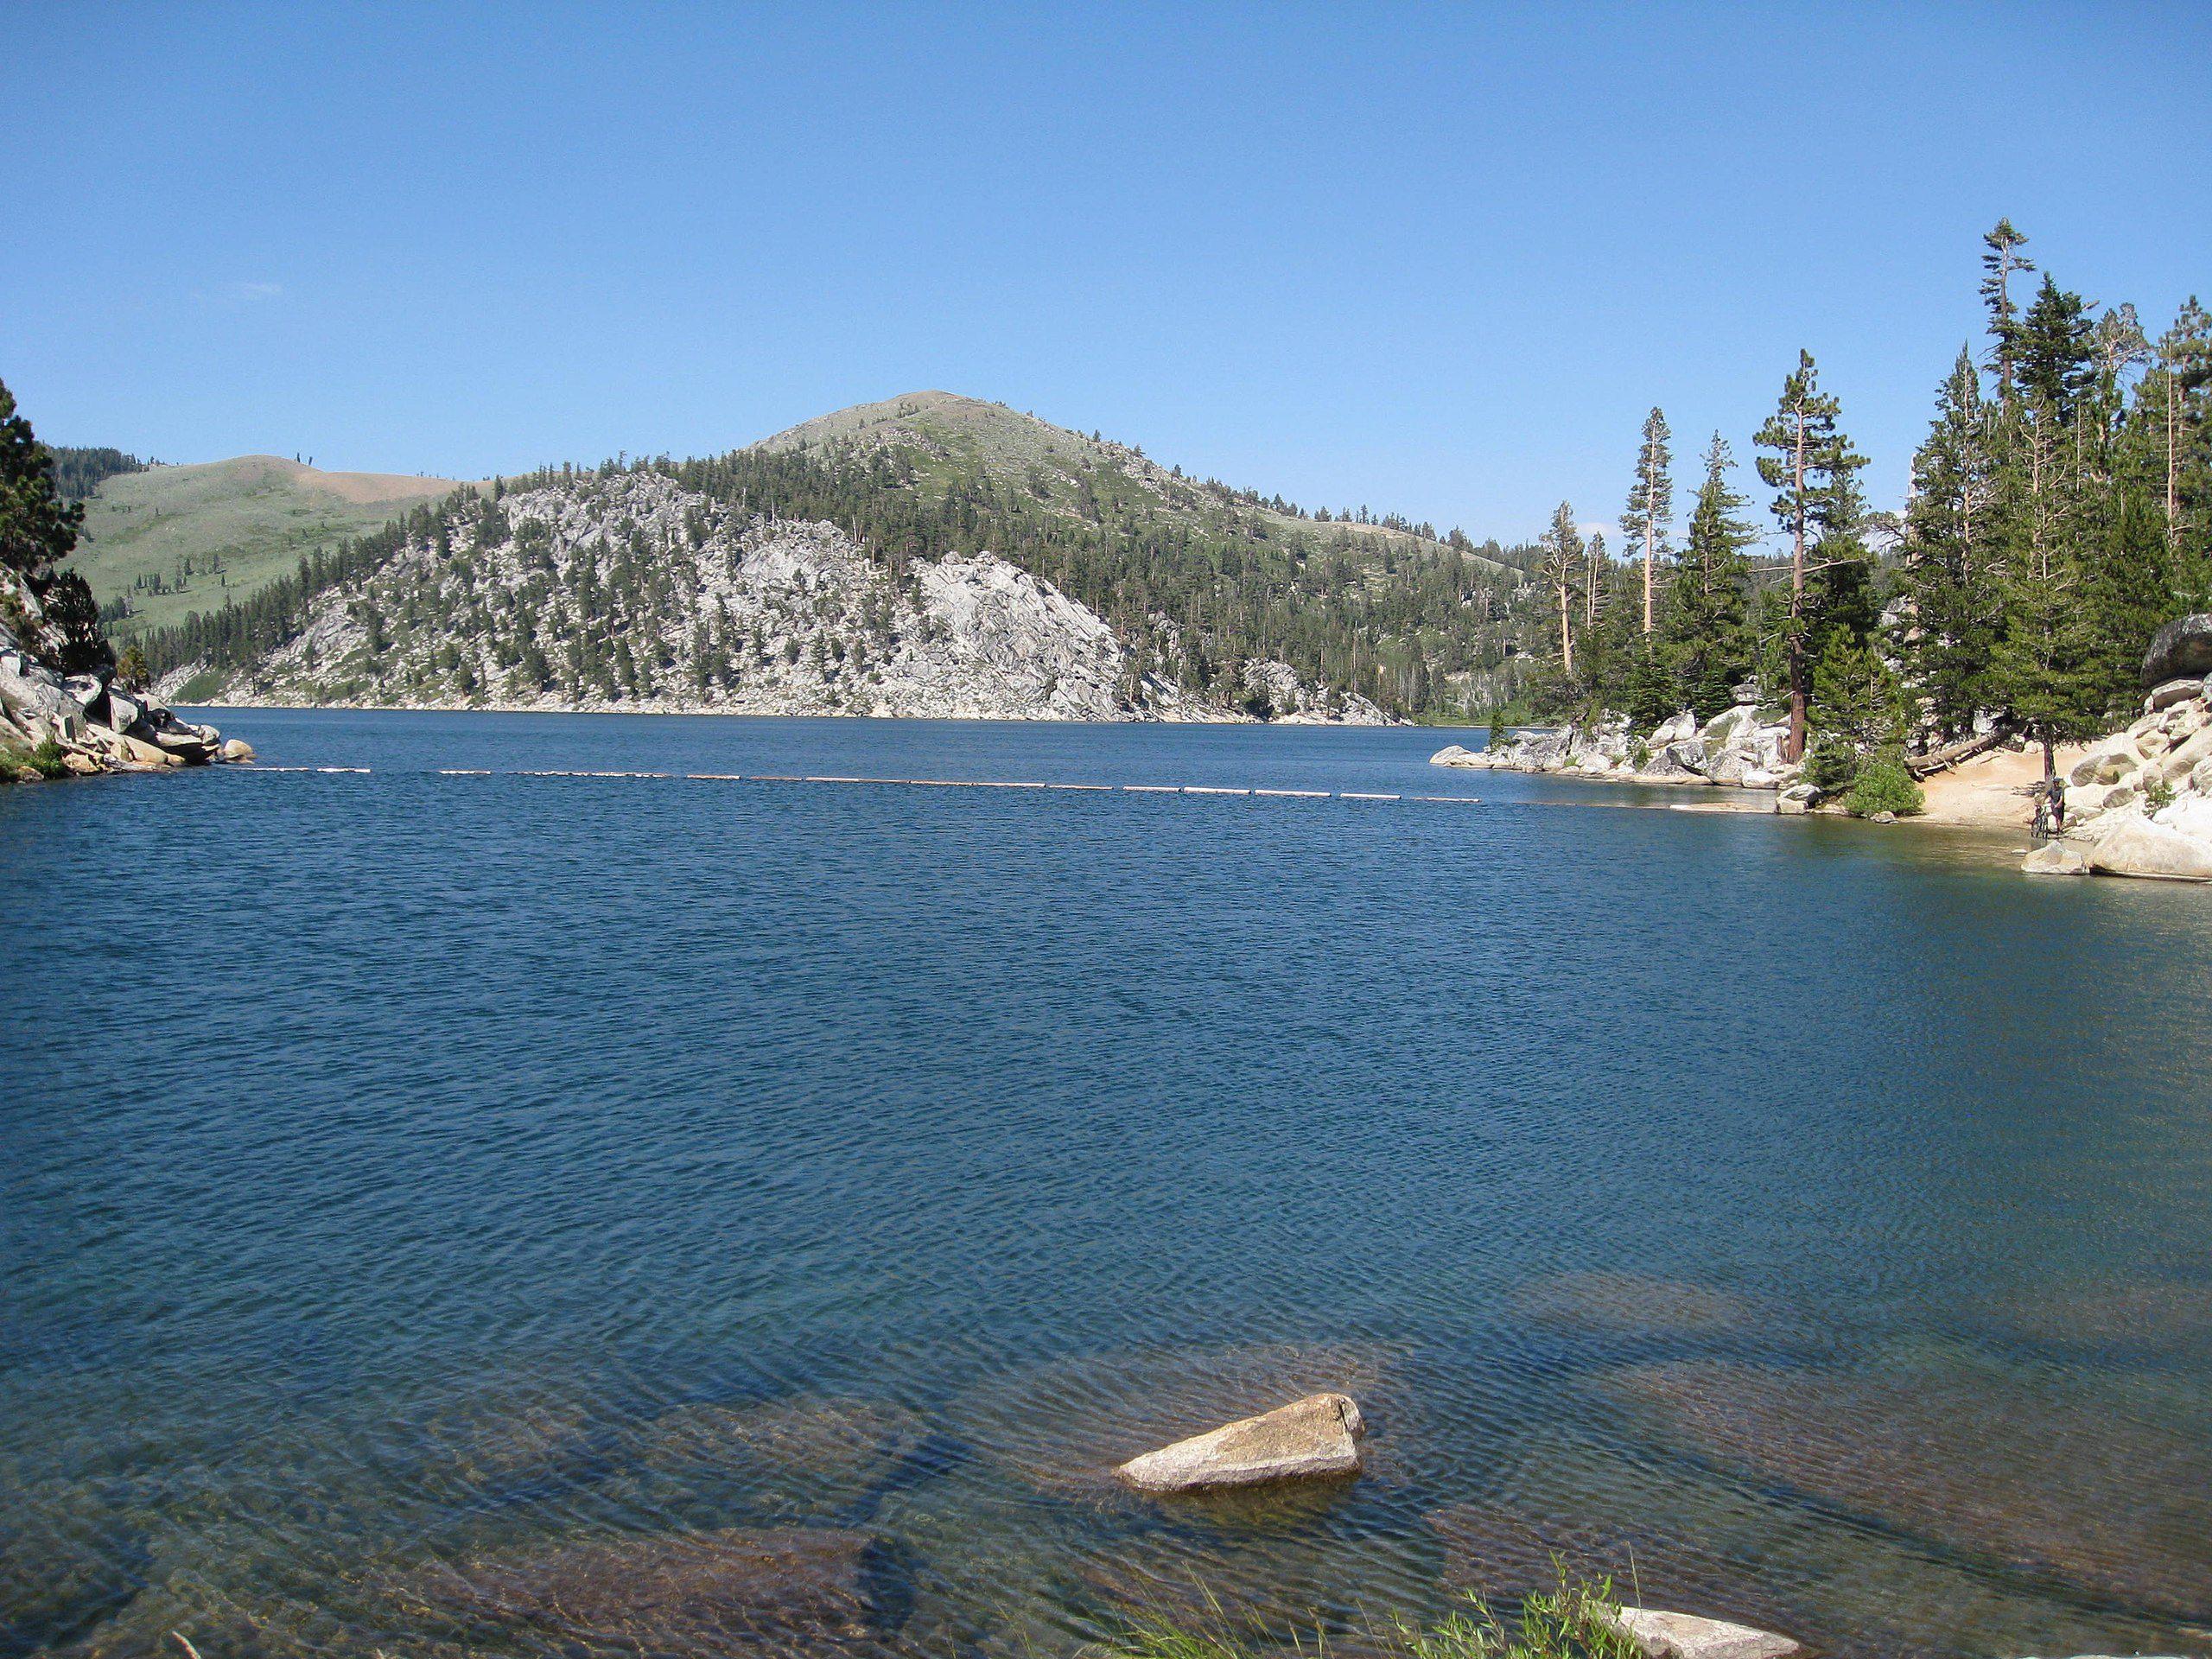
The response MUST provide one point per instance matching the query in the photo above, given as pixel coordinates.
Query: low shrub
(45, 760)
(1883, 785)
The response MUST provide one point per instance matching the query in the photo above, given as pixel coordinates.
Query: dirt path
(1990, 789)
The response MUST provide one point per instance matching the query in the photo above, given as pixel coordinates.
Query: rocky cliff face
(52, 724)
(628, 592)
(1735, 749)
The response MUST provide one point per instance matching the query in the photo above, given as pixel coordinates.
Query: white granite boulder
(2055, 858)
(2139, 847)
(1685, 1636)
(1318, 1435)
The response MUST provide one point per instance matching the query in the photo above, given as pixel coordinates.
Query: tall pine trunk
(2173, 460)
(1650, 533)
(1794, 748)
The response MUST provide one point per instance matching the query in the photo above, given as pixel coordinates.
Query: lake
(513, 1214)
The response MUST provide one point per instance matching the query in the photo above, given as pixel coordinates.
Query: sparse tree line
(2060, 510)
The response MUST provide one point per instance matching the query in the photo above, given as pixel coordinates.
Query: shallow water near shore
(515, 1215)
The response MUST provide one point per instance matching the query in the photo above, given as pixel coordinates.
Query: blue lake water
(502, 1214)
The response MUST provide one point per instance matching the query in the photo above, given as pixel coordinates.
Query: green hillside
(949, 441)
(160, 543)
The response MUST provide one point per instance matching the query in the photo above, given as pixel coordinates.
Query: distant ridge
(1227, 599)
(238, 523)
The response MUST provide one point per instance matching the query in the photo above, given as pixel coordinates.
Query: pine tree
(2170, 432)
(2001, 258)
(36, 525)
(1594, 582)
(2046, 668)
(1704, 632)
(1650, 508)
(2054, 352)
(1950, 580)
(1561, 574)
(1813, 472)
(1856, 698)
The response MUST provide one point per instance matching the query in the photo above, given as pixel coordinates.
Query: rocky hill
(629, 590)
(1195, 580)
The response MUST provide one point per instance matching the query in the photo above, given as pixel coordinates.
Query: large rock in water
(1318, 1435)
(2137, 847)
(2183, 649)
(1684, 1636)
(2055, 858)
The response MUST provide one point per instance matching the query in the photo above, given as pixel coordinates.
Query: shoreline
(788, 714)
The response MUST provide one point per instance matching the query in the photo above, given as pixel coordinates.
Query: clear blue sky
(1433, 259)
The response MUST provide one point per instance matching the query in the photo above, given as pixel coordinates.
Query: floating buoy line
(901, 782)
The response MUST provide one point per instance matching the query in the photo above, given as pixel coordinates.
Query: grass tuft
(1573, 1621)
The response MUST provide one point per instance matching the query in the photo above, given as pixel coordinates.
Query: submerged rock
(1611, 1300)
(2112, 1505)
(1684, 1636)
(810, 1459)
(1318, 1435)
(677, 1595)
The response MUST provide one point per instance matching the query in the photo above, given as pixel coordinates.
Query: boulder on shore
(2055, 858)
(1685, 1636)
(1798, 799)
(1318, 1435)
(2137, 847)
(2183, 649)
(2173, 691)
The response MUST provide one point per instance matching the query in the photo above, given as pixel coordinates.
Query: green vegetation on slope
(1383, 609)
(78, 472)
(160, 543)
